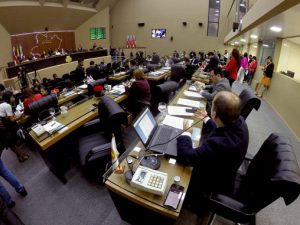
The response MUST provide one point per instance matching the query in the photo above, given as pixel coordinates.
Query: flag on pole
(14, 55)
(127, 42)
(21, 51)
(134, 41)
(114, 157)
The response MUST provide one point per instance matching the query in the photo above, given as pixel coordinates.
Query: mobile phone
(192, 110)
(174, 196)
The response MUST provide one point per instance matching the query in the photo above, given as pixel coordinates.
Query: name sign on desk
(191, 103)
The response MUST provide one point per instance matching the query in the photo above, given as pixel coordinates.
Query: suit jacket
(222, 85)
(92, 71)
(218, 158)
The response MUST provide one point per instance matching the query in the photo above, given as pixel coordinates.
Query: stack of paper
(52, 126)
(179, 111)
(191, 103)
(192, 94)
(192, 88)
(176, 122)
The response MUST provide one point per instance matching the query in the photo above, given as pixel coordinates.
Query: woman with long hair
(233, 65)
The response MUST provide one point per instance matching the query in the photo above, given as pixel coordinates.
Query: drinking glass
(52, 112)
(162, 108)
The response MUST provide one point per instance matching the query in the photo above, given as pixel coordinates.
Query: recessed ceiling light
(275, 29)
(217, 10)
(243, 40)
(236, 42)
(217, 2)
(253, 36)
(254, 46)
(242, 5)
(266, 45)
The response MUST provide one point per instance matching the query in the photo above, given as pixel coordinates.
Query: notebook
(153, 136)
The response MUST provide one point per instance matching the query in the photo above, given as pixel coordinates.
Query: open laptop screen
(145, 126)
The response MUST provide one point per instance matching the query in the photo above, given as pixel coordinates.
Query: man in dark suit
(218, 158)
(213, 62)
(92, 70)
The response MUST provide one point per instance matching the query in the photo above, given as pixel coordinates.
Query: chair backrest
(272, 173)
(112, 117)
(249, 101)
(36, 107)
(177, 72)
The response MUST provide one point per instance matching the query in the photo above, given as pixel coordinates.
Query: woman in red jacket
(30, 97)
(233, 66)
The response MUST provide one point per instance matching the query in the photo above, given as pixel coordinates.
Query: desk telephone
(149, 180)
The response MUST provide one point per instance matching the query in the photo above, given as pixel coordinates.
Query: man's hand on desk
(186, 126)
(201, 114)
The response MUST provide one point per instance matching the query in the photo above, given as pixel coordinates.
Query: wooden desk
(62, 99)
(136, 206)
(118, 77)
(75, 118)
(197, 76)
(164, 75)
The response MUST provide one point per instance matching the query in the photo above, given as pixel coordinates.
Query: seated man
(92, 70)
(213, 62)
(219, 83)
(218, 158)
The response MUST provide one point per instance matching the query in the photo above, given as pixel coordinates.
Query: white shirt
(5, 110)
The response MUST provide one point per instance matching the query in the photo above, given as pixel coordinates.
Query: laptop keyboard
(163, 136)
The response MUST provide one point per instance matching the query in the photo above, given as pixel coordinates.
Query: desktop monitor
(158, 33)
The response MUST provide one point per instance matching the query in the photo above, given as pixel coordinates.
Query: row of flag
(17, 53)
(131, 41)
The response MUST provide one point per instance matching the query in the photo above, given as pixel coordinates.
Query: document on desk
(191, 103)
(179, 111)
(176, 122)
(192, 94)
(52, 126)
(192, 88)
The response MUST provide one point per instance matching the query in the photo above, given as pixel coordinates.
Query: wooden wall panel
(39, 42)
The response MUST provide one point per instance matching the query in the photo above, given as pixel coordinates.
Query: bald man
(218, 158)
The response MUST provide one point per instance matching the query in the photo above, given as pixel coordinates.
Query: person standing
(252, 68)
(232, 66)
(243, 71)
(266, 79)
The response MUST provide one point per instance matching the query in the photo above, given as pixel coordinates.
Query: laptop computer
(154, 137)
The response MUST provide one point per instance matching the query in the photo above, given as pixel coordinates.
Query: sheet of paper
(192, 88)
(179, 111)
(191, 103)
(52, 126)
(192, 94)
(176, 122)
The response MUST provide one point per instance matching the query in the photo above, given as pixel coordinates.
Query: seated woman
(139, 93)
(30, 96)
(9, 127)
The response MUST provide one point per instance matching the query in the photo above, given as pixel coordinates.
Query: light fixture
(285, 45)
(232, 44)
(266, 45)
(217, 10)
(243, 40)
(217, 2)
(254, 46)
(236, 42)
(275, 29)
(242, 5)
(253, 36)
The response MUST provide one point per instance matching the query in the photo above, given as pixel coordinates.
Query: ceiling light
(236, 42)
(243, 40)
(217, 10)
(217, 2)
(254, 46)
(285, 45)
(253, 36)
(266, 45)
(242, 5)
(275, 29)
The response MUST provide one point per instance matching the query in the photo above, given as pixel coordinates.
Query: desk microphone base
(151, 162)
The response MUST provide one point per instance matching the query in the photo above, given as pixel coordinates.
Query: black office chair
(178, 75)
(162, 93)
(39, 109)
(95, 148)
(249, 101)
(272, 173)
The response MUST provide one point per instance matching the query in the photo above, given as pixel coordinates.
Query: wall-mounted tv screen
(158, 33)
(97, 33)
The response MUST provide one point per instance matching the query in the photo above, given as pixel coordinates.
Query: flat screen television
(158, 33)
(97, 33)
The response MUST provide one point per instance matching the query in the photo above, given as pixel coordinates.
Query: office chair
(271, 174)
(95, 148)
(37, 108)
(178, 75)
(162, 93)
(249, 101)
(91, 86)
